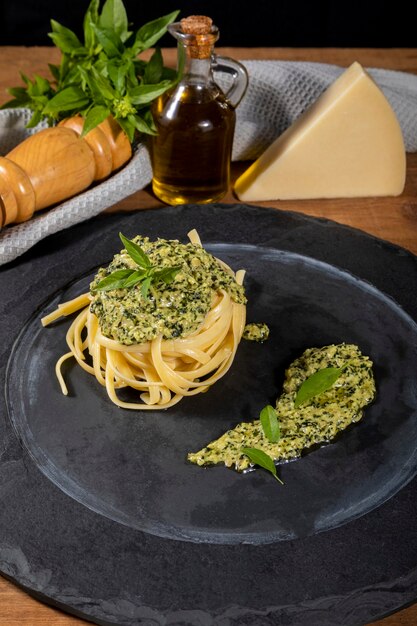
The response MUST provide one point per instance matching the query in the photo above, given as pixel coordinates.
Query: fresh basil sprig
(261, 458)
(101, 75)
(270, 424)
(318, 383)
(146, 274)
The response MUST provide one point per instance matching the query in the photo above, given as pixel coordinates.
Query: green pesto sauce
(172, 310)
(256, 331)
(318, 421)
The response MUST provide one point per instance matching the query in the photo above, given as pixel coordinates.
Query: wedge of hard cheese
(348, 143)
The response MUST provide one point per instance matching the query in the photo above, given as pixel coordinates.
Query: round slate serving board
(100, 513)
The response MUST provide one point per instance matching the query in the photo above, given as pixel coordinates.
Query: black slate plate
(93, 522)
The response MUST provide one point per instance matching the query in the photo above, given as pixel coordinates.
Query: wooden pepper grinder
(56, 164)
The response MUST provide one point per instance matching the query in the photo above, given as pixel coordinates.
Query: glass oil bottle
(195, 120)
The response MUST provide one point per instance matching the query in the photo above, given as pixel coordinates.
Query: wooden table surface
(393, 219)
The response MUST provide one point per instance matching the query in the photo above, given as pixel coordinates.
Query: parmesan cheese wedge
(347, 144)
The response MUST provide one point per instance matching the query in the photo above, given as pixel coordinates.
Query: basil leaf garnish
(135, 252)
(146, 275)
(259, 457)
(136, 277)
(270, 424)
(145, 287)
(318, 383)
(115, 280)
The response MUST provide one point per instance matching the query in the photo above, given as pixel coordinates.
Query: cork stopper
(196, 25)
(202, 37)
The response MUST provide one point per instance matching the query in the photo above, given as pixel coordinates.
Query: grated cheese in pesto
(172, 310)
(318, 421)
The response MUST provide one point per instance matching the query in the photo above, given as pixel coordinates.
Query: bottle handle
(239, 74)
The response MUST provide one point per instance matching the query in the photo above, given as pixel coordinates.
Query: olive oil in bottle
(195, 121)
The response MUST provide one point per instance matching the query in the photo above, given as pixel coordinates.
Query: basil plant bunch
(101, 75)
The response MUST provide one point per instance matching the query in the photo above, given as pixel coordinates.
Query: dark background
(296, 23)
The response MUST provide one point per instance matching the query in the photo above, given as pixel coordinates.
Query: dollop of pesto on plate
(317, 421)
(256, 331)
(172, 310)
